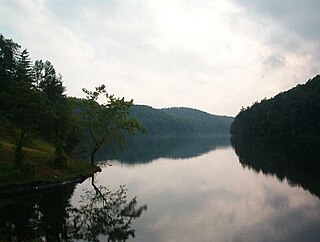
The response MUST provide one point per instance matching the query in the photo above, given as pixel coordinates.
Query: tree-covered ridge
(180, 121)
(200, 122)
(293, 113)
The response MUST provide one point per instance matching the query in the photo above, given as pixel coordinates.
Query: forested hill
(180, 121)
(291, 114)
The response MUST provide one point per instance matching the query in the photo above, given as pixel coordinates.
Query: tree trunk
(92, 158)
(18, 150)
(95, 149)
(18, 154)
(92, 155)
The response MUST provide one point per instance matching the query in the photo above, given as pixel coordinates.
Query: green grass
(38, 165)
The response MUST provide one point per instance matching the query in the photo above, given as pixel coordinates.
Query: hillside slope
(294, 113)
(180, 121)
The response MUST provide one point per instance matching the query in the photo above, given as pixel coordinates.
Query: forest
(290, 114)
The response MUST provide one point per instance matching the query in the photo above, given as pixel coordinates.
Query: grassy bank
(38, 166)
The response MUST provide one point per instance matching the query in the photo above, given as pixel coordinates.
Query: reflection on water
(51, 217)
(212, 198)
(103, 212)
(35, 216)
(297, 161)
(196, 190)
(144, 150)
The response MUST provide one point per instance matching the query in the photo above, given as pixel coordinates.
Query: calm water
(180, 190)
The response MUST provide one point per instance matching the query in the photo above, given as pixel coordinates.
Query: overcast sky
(215, 55)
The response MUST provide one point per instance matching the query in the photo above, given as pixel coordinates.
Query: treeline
(290, 114)
(180, 122)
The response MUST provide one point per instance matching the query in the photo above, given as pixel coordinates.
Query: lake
(191, 189)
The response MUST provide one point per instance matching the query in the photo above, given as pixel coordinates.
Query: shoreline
(41, 185)
(38, 170)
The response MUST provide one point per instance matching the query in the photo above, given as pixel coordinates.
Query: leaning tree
(108, 121)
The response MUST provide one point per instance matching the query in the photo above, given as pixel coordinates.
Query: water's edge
(38, 186)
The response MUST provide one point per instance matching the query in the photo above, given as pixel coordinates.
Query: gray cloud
(291, 29)
(295, 24)
(301, 17)
(274, 61)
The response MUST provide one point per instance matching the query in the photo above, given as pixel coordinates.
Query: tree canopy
(294, 113)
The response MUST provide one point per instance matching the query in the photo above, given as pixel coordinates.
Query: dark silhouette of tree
(107, 122)
(24, 67)
(48, 81)
(38, 72)
(9, 51)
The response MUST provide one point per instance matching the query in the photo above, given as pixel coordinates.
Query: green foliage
(8, 61)
(63, 126)
(24, 67)
(107, 122)
(294, 113)
(58, 121)
(47, 80)
(20, 106)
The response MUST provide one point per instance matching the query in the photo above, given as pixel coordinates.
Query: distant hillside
(180, 121)
(294, 113)
(201, 122)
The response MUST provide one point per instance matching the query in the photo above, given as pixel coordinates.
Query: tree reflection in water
(103, 212)
(36, 216)
(296, 161)
(49, 216)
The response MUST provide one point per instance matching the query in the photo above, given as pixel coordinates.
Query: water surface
(181, 190)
